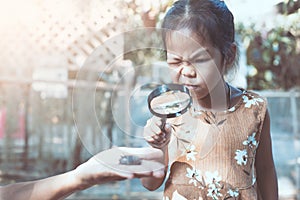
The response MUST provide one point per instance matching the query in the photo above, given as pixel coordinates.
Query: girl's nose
(188, 70)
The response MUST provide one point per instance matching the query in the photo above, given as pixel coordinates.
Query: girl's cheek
(174, 75)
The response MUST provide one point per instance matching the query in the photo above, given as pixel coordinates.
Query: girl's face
(194, 62)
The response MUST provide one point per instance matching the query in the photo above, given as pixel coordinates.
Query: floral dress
(215, 156)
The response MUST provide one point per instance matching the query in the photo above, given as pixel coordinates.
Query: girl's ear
(230, 58)
(232, 55)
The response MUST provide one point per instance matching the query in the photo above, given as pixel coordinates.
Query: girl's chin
(196, 92)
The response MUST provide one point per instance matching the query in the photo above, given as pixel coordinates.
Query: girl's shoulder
(250, 95)
(247, 99)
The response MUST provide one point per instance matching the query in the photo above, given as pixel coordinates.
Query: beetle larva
(130, 160)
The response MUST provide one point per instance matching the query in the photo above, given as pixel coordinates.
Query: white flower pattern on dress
(194, 175)
(233, 193)
(190, 153)
(213, 178)
(214, 192)
(231, 109)
(251, 141)
(241, 156)
(251, 101)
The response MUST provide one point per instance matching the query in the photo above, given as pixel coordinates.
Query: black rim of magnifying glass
(166, 88)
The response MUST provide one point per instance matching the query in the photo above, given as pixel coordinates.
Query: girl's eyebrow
(198, 52)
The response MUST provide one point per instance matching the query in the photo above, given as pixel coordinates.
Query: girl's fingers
(159, 136)
(155, 135)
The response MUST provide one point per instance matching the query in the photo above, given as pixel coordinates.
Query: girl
(221, 148)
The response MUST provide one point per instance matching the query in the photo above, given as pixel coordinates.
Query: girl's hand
(157, 133)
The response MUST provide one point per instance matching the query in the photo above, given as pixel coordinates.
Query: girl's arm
(158, 138)
(266, 174)
(153, 183)
(101, 168)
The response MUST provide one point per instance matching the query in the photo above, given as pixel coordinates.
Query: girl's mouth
(190, 87)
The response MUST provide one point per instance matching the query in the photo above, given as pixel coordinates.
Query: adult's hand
(105, 167)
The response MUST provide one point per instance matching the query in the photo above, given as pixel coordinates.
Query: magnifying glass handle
(163, 123)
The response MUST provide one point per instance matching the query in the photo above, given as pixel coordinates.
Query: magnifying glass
(165, 101)
(169, 100)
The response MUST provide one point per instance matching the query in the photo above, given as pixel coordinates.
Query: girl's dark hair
(211, 20)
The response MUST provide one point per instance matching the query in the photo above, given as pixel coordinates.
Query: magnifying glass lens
(170, 100)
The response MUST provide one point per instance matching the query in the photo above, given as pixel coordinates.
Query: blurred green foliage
(288, 7)
(273, 58)
(144, 46)
(273, 55)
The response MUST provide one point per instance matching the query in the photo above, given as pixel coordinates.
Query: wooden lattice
(54, 33)
(48, 35)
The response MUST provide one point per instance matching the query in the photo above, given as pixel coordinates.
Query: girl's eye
(174, 63)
